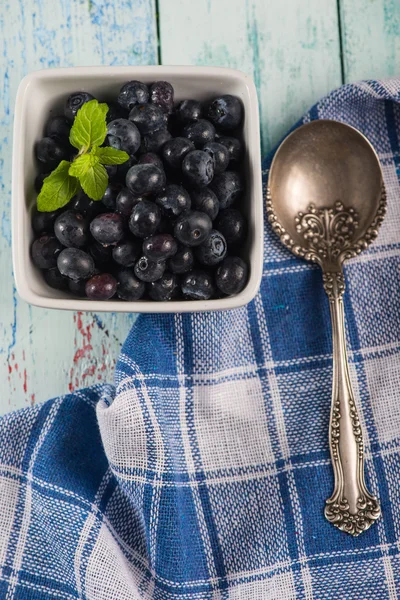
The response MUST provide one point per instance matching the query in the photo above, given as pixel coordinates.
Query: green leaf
(109, 155)
(92, 175)
(58, 188)
(89, 127)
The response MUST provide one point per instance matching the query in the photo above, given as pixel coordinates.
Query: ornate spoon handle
(351, 507)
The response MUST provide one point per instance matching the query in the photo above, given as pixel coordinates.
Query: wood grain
(46, 353)
(290, 48)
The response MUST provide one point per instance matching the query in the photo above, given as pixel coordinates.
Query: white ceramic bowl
(43, 92)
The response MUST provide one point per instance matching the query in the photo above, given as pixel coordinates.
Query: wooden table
(296, 51)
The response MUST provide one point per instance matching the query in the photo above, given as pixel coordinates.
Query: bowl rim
(18, 204)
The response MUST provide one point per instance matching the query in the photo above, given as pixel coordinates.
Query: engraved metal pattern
(328, 235)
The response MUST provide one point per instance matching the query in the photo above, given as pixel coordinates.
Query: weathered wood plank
(290, 48)
(370, 38)
(46, 353)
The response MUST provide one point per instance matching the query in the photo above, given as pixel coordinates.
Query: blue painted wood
(45, 353)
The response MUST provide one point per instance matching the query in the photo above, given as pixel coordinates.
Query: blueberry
(50, 152)
(198, 168)
(127, 252)
(75, 264)
(129, 286)
(43, 222)
(74, 103)
(39, 181)
(150, 158)
(148, 118)
(200, 132)
(123, 169)
(155, 141)
(213, 250)
(219, 153)
(228, 187)
(102, 256)
(183, 260)
(110, 195)
(126, 201)
(232, 224)
(188, 111)
(71, 229)
(198, 285)
(231, 276)
(149, 270)
(162, 94)
(77, 288)
(192, 228)
(226, 112)
(55, 280)
(86, 206)
(174, 200)
(101, 287)
(114, 112)
(132, 93)
(45, 251)
(143, 180)
(175, 150)
(112, 171)
(123, 135)
(107, 228)
(160, 246)
(58, 128)
(163, 289)
(145, 219)
(234, 147)
(205, 201)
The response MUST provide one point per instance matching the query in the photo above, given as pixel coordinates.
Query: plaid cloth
(203, 473)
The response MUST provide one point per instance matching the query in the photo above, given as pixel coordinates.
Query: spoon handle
(351, 507)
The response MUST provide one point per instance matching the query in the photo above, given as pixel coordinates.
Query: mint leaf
(58, 188)
(92, 175)
(89, 127)
(109, 155)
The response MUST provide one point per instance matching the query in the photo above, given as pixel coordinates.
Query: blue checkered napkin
(203, 473)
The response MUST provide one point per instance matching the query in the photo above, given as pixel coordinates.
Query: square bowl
(43, 92)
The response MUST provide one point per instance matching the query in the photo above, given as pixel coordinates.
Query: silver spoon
(326, 201)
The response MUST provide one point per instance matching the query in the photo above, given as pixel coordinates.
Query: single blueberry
(192, 228)
(200, 132)
(198, 168)
(163, 289)
(129, 286)
(127, 252)
(149, 270)
(110, 195)
(43, 222)
(226, 112)
(188, 111)
(183, 260)
(232, 224)
(175, 150)
(198, 285)
(77, 287)
(55, 280)
(114, 112)
(58, 128)
(145, 218)
(74, 103)
(213, 250)
(160, 246)
(50, 152)
(75, 264)
(154, 142)
(174, 200)
(131, 94)
(162, 94)
(234, 147)
(126, 201)
(71, 229)
(143, 180)
(205, 201)
(45, 251)
(148, 118)
(107, 228)
(85, 205)
(122, 134)
(231, 276)
(101, 287)
(219, 153)
(228, 187)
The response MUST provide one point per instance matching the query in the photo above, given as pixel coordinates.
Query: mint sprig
(86, 171)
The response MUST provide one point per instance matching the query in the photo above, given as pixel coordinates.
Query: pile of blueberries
(169, 225)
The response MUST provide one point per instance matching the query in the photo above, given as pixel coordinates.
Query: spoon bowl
(326, 201)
